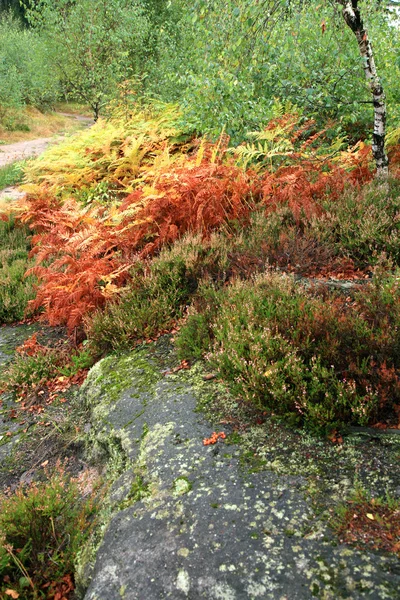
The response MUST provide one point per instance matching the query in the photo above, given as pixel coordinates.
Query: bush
(15, 289)
(152, 303)
(362, 223)
(324, 359)
(41, 531)
(25, 73)
(36, 366)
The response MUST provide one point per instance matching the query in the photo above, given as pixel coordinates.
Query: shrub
(362, 223)
(154, 300)
(37, 369)
(41, 530)
(324, 359)
(16, 290)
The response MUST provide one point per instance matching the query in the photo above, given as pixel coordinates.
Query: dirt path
(27, 149)
(11, 153)
(21, 150)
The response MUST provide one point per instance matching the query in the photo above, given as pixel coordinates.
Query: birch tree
(352, 16)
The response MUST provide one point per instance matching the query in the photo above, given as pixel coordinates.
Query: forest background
(225, 63)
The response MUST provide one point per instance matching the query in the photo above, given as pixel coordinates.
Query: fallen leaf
(370, 516)
(12, 593)
(214, 438)
(209, 376)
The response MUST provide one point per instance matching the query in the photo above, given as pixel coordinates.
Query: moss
(311, 461)
(111, 376)
(181, 486)
(139, 490)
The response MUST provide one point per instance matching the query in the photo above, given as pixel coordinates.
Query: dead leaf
(209, 376)
(370, 516)
(12, 593)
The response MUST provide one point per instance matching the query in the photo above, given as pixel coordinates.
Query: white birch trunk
(352, 16)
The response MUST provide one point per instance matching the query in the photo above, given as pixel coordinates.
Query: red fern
(83, 255)
(194, 198)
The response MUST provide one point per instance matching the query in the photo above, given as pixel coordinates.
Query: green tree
(13, 6)
(25, 74)
(93, 44)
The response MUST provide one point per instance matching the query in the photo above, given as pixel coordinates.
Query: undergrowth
(127, 189)
(41, 373)
(16, 290)
(318, 358)
(42, 529)
(369, 522)
(136, 219)
(11, 174)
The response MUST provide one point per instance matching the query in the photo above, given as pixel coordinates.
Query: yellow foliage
(117, 151)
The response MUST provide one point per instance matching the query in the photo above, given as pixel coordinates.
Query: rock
(184, 521)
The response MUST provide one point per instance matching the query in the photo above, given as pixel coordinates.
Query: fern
(162, 187)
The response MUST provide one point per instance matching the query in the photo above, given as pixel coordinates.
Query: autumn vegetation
(140, 233)
(235, 209)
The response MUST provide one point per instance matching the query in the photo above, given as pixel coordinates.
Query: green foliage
(28, 372)
(362, 223)
(15, 289)
(93, 44)
(11, 174)
(42, 529)
(25, 73)
(322, 359)
(226, 63)
(154, 300)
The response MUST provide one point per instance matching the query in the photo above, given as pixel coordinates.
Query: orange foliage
(303, 186)
(191, 198)
(213, 439)
(83, 254)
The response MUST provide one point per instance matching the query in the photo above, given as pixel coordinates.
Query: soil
(22, 150)
(11, 153)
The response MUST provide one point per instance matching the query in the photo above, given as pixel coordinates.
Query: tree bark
(352, 16)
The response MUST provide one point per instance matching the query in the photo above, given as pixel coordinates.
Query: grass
(11, 174)
(15, 289)
(30, 123)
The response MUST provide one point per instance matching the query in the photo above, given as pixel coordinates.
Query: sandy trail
(22, 150)
(11, 153)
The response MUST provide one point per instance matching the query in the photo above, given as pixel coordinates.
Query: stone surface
(186, 520)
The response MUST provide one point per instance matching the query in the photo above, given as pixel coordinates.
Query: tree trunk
(352, 16)
(96, 111)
